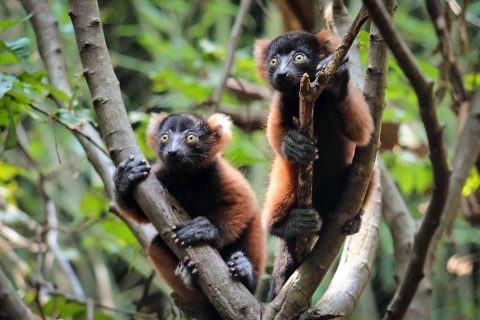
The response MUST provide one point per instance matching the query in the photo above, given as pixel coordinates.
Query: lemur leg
(353, 226)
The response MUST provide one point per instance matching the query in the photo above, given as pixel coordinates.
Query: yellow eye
(191, 138)
(299, 58)
(164, 138)
(273, 62)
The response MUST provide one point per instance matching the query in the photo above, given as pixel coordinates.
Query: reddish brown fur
(259, 54)
(281, 193)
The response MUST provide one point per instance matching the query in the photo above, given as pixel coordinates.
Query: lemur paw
(305, 220)
(353, 226)
(187, 271)
(239, 266)
(299, 148)
(129, 172)
(197, 231)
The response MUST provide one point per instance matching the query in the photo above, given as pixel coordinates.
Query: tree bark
(231, 299)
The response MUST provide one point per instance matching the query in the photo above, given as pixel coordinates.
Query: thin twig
(445, 43)
(232, 46)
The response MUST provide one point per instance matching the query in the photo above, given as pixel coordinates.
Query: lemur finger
(141, 168)
(132, 163)
(136, 176)
(297, 137)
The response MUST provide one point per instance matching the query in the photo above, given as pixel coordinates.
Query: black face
(184, 141)
(289, 57)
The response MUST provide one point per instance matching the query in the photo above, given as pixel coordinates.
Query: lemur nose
(282, 75)
(172, 152)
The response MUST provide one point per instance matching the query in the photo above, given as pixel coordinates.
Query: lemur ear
(152, 128)
(221, 126)
(260, 54)
(328, 42)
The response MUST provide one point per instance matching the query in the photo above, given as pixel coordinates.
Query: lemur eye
(164, 138)
(273, 62)
(191, 138)
(299, 58)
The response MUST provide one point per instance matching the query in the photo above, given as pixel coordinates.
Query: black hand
(129, 172)
(338, 86)
(353, 226)
(197, 231)
(297, 147)
(299, 221)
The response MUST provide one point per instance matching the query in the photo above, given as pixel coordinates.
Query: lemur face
(184, 141)
(289, 57)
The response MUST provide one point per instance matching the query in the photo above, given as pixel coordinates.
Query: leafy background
(168, 56)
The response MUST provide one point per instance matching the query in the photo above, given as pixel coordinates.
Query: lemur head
(284, 60)
(186, 140)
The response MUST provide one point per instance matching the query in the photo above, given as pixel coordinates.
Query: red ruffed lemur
(217, 197)
(342, 121)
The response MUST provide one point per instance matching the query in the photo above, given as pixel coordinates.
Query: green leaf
(11, 139)
(58, 94)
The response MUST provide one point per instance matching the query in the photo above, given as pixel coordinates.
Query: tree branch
(231, 299)
(466, 154)
(459, 94)
(11, 306)
(354, 269)
(232, 45)
(441, 171)
(51, 50)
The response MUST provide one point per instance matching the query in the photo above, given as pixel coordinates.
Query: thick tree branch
(11, 306)
(232, 45)
(354, 269)
(51, 50)
(441, 171)
(231, 299)
(296, 293)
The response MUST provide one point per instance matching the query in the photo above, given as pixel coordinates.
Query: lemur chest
(197, 194)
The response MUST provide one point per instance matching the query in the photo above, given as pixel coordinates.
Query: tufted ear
(260, 54)
(221, 126)
(152, 128)
(328, 42)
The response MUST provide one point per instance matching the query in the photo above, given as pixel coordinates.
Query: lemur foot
(129, 172)
(241, 269)
(299, 148)
(187, 271)
(353, 226)
(197, 231)
(239, 266)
